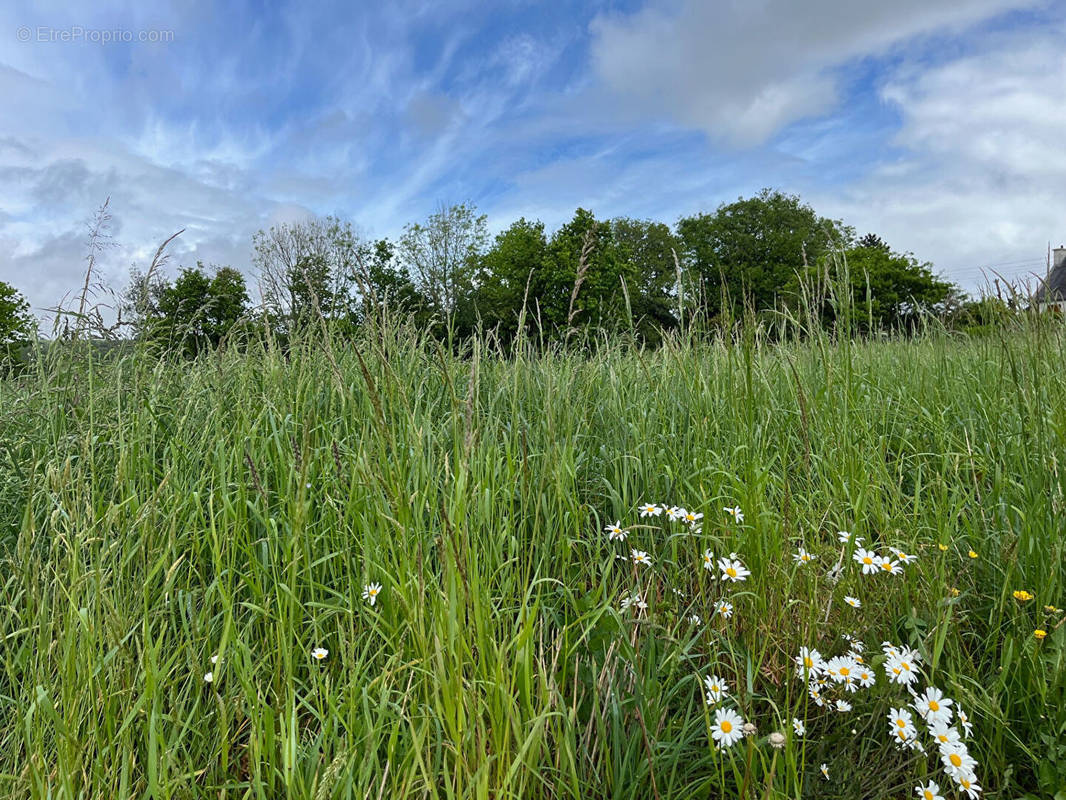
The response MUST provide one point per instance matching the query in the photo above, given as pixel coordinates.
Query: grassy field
(155, 515)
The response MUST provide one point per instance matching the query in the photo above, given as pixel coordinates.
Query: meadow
(379, 568)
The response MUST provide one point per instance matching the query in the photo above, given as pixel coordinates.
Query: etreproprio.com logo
(77, 33)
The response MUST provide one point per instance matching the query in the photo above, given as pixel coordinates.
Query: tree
(752, 249)
(647, 249)
(442, 254)
(307, 266)
(17, 324)
(196, 310)
(387, 284)
(506, 274)
(888, 290)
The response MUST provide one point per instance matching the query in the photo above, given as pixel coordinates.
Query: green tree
(196, 310)
(508, 277)
(647, 250)
(17, 324)
(751, 250)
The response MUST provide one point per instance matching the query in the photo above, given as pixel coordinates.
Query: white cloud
(741, 71)
(981, 176)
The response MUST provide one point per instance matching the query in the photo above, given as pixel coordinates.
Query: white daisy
(214, 659)
(957, 760)
(736, 513)
(944, 734)
(798, 726)
(886, 564)
(209, 677)
(642, 558)
(843, 670)
(674, 513)
(902, 668)
(650, 510)
(843, 706)
(902, 724)
(854, 602)
(865, 677)
(319, 653)
(845, 536)
(727, 727)
(371, 592)
(809, 663)
(615, 531)
(695, 619)
(725, 609)
(815, 692)
(869, 560)
(732, 569)
(801, 556)
(691, 517)
(824, 769)
(964, 720)
(904, 558)
(716, 689)
(968, 784)
(708, 560)
(933, 707)
(931, 791)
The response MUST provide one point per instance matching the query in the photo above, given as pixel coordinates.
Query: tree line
(446, 274)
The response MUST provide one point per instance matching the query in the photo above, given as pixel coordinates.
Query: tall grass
(157, 513)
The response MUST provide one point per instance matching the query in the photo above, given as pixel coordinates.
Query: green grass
(153, 514)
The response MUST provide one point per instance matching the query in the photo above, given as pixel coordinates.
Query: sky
(940, 125)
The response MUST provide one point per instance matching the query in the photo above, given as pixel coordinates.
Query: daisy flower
(650, 510)
(725, 609)
(845, 536)
(732, 569)
(674, 513)
(642, 558)
(843, 670)
(695, 619)
(957, 761)
(931, 791)
(968, 784)
(964, 721)
(809, 663)
(635, 600)
(726, 730)
(708, 560)
(902, 668)
(865, 677)
(944, 734)
(691, 517)
(214, 659)
(868, 559)
(843, 706)
(371, 592)
(716, 689)
(319, 653)
(888, 565)
(798, 727)
(614, 531)
(855, 645)
(736, 513)
(902, 723)
(209, 677)
(824, 769)
(854, 602)
(815, 692)
(801, 556)
(933, 706)
(904, 558)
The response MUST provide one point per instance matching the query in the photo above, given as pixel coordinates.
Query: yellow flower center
(902, 735)
(901, 723)
(845, 671)
(928, 794)
(942, 738)
(955, 760)
(867, 560)
(886, 565)
(727, 726)
(905, 666)
(934, 705)
(732, 573)
(807, 662)
(964, 783)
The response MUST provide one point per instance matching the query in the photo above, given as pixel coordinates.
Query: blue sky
(939, 125)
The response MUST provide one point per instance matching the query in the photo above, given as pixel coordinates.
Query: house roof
(1053, 287)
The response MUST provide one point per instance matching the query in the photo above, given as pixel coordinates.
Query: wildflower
(854, 602)
(214, 659)
(642, 558)
(695, 619)
(845, 536)
(691, 517)
(866, 677)
(954, 591)
(816, 694)
(890, 566)
(777, 740)
(824, 769)
(868, 559)
(903, 667)
(716, 689)
(957, 761)
(964, 721)
(855, 645)
(650, 510)
(736, 513)
(809, 663)
(834, 573)
(749, 729)
(889, 649)
(674, 513)
(708, 560)
(732, 569)
(1051, 609)
(943, 548)
(931, 791)
(801, 556)
(843, 670)
(635, 600)
(726, 730)
(972, 554)
(371, 592)
(904, 558)
(798, 727)
(725, 609)
(968, 784)
(209, 677)
(614, 531)
(944, 734)
(319, 653)
(1022, 596)
(903, 729)
(843, 706)
(933, 706)
(1039, 633)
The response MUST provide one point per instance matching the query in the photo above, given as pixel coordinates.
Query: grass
(156, 513)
